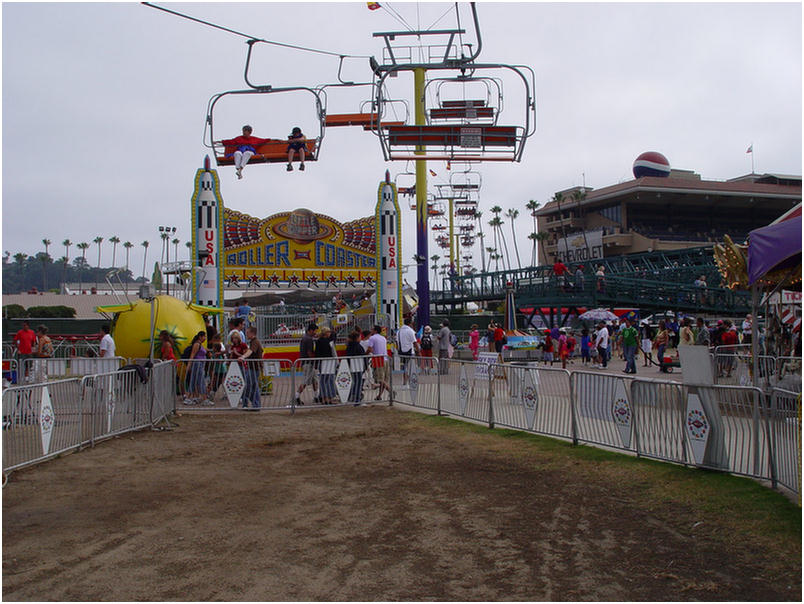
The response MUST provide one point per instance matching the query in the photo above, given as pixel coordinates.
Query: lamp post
(165, 233)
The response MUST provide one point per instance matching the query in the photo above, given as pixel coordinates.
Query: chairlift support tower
(484, 139)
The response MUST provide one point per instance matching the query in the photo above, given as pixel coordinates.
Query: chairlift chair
(460, 139)
(273, 150)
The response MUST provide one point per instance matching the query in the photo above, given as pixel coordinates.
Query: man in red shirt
(499, 334)
(245, 146)
(24, 340)
(560, 270)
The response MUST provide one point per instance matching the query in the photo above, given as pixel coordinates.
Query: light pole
(165, 233)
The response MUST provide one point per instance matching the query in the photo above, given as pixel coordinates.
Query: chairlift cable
(437, 21)
(396, 15)
(238, 33)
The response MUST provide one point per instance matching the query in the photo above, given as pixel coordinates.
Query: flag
(750, 149)
(373, 5)
(433, 173)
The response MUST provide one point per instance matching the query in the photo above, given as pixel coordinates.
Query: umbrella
(598, 314)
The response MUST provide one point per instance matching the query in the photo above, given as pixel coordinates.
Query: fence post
(293, 387)
(770, 424)
(391, 393)
(573, 412)
(438, 388)
(491, 396)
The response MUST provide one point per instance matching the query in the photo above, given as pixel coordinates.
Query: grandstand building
(660, 210)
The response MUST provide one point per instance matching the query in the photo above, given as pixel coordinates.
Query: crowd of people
(625, 338)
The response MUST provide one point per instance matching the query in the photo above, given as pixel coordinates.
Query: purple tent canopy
(772, 247)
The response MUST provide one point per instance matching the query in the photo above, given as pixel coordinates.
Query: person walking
(702, 334)
(660, 343)
(474, 341)
(443, 337)
(378, 347)
(406, 340)
(602, 345)
(426, 347)
(685, 335)
(24, 340)
(490, 336)
(630, 337)
(253, 361)
(107, 346)
(355, 352)
(307, 360)
(325, 349)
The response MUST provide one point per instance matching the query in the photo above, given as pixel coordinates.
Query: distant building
(651, 213)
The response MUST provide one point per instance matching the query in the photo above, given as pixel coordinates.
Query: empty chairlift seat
(474, 142)
(462, 110)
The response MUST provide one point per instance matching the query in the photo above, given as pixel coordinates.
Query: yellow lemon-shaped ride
(132, 325)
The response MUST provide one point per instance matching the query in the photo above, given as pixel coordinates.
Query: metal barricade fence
(736, 429)
(114, 403)
(731, 429)
(785, 430)
(39, 370)
(528, 397)
(10, 370)
(222, 383)
(417, 382)
(603, 413)
(40, 421)
(737, 368)
(659, 416)
(343, 380)
(43, 420)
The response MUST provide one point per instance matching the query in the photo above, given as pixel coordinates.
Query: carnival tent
(774, 247)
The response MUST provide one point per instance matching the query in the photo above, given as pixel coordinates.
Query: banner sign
(576, 248)
(299, 249)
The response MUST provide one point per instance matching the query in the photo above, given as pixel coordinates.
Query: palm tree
(189, 245)
(144, 258)
(44, 259)
(114, 239)
(20, 259)
(492, 255)
(66, 243)
(98, 240)
(541, 237)
(175, 243)
(513, 215)
(558, 198)
(127, 245)
(83, 246)
(478, 216)
(533, 205)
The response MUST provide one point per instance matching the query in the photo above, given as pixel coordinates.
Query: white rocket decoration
(389, 244)
(207, 209)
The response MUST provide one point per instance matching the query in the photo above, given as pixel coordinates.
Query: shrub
(14, 311)
(51, 312)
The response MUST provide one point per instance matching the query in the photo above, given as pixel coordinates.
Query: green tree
(532, 206)
(513, 214)
(83, 246)
(114, 240)
(144, 258)
(98, 240)
(127, 245)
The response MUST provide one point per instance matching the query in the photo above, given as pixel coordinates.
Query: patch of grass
(725, 504)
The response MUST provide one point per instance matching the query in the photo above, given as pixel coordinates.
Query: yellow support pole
(423, 276)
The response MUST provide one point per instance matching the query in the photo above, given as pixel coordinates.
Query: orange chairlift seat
(367, 120)
(462, 110)
(456, 142)
(273, 151)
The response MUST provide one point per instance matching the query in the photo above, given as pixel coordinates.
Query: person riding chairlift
(246, 146)
(296, 142)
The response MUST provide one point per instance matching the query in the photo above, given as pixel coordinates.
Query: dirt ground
(367, 504)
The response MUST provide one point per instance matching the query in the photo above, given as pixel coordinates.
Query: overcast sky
(104, 106)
